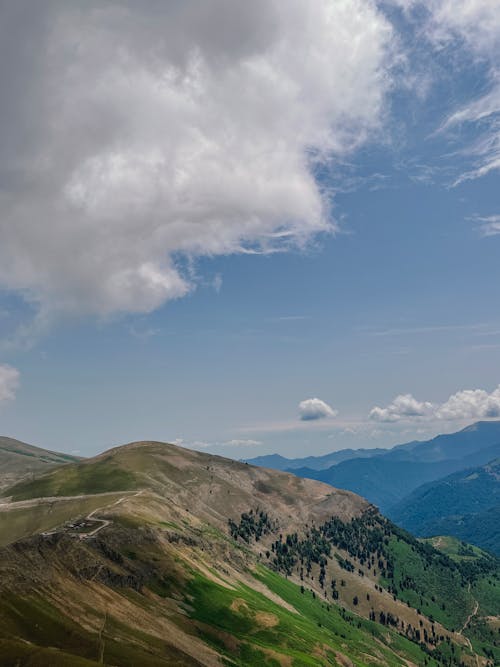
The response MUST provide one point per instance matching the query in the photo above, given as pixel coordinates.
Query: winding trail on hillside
(104, 522)
(466, 624)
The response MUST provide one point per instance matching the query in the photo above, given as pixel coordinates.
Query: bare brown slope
(214, 487)
(211, 487)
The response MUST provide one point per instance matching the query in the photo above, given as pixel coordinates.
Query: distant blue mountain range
(386, 476)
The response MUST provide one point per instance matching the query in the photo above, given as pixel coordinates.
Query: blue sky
(341, 245)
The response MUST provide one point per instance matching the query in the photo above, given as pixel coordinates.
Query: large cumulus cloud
(404, 406)
(471, 404)
(135, 134)
(463, 405)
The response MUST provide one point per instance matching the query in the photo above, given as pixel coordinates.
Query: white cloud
(484, 151)
(201, 444)
(488, 225)
(475, 26)
(467, 32)
(471, 404)
(312, 409)
(241, 443)
(404, 406)
(476, 22)
(465, 404)
(133, 134)
(9, 382)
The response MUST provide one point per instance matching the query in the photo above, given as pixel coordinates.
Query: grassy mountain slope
(484, 626)
(445, 503)
(19, 460)
(456, 549)
(199, 560)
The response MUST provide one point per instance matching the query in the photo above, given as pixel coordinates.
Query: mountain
(18, 460)
(154, 555)
(382, 481)
(464, 443)
(460, 445)
(452, 503)
(278, 462)
(386, 479)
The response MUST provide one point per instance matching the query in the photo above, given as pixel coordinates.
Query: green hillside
(463, 504)
(481, 529)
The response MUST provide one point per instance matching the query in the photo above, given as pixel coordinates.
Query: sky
(248, 228)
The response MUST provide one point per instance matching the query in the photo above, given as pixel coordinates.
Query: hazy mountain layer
(278, 462)
(459, 445)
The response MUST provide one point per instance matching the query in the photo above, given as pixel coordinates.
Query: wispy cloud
(488, 225)
(143, 333)
(202, 444)
(9, 382)
(290, 318)
(241, 443)
(428, 329)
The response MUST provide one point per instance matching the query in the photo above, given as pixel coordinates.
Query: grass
(18, 654)
(35, 620)
(486, 591)
(485, 640)
(265, 630)
(76, 479)
(437, 585)
(21, 522)
(456, 549)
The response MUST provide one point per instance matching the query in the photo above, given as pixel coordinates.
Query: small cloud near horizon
(312, 409)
